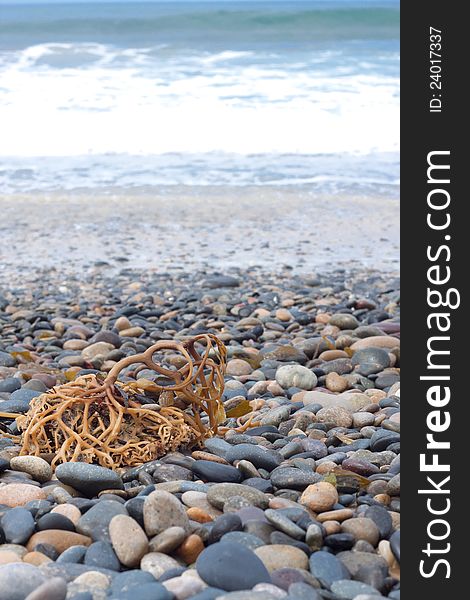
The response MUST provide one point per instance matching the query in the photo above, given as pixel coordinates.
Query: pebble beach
(304, 506)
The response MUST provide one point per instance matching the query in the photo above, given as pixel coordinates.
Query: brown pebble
(18, 494)
(331, 527)
(336, 383)
(382, 499)
(319, 497)
(36, 558)
(198, 515)
(326, 467)
(334, 414)
(61, 540)
(190, 549)
(328, 355)
(201, 455)
(335, 515)
(283, 314)
(362, 528)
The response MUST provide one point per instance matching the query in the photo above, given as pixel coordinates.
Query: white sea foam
(62, 100)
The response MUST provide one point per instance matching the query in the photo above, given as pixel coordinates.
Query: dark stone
(220, 281)
(95, 522)
(241, 537)
(263, 485)
(110, 337)
(370, 361)
(18, 525)
(381, 518)
(101, 554)
(74, 554)
(217, 446)
(135, 508)
(10, 384)
(231, 567)
(124, 582)
(278, 537)
(55, 521)
(169, 472)
(6, 359)
(47, 549)
(395, 544)
(224, 524)
(292, 478)
(257, 455)
(382, 438)
(340, 541)
(255, 431)
(88, 479)
(208, 470)
(327, 568)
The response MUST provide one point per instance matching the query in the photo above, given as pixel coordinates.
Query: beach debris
(102, 420)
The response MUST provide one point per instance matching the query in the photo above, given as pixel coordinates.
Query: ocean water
(145, 94)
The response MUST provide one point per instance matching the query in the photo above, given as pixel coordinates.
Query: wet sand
(197, 228)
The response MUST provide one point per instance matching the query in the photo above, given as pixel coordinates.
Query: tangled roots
(101, 421)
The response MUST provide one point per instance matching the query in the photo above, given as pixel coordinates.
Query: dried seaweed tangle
(97, 420)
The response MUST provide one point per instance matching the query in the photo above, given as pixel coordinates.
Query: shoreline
(218, 228)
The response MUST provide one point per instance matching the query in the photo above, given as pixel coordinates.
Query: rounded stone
(163, 510)
(55, 521)
(19, 494)
(231, 567)
(168, 540)
(158, 563)
(190, 549)
(336, 383)
(320, 497)
(128, 540)
(327, 568)
(344, 321)
(88, 479)
(257, 455)
(277, 556)
(215, 472)
(296, 376)
(17, 580)
(238, 367)
(224, 524)
(95, 350)
(17, 525)
(100, 555)
(61, 540)
(95, 522)
(37, 467)
(337, 415)
(219, 493)
(292, 478)
(377, 341)
(348, 590)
